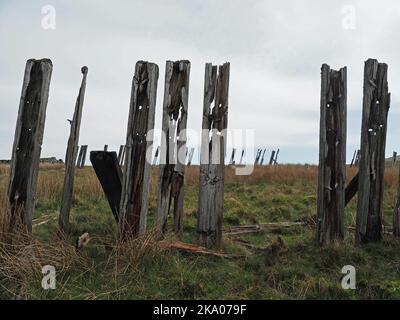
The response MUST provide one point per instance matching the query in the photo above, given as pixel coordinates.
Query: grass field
(278, 264)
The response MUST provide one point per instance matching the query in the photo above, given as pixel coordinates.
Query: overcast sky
(275, 48)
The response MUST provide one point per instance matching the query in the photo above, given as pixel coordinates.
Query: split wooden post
(70, 159)
(120, 154)
(136, 172)
(212, 166)
(376, 104)
(108, 171)
(332, 155)
(173, 145)
(28, 143)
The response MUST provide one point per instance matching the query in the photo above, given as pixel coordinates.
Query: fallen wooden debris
(194, 249)
(239, 230)
(83, 241)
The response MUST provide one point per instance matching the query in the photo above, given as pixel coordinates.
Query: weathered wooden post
(28, 143)
(258, 155)
(156, 156)
(396, 212)
(191, 153)
(263, 157)
(357, 161)
(241, 157)
(332, 155)
(212, 166)
(106, 147)
(78, 162)
(173, 145)
(394, 158)
(120, 154)
(232, 160)
(276, 157)
(376, 104)
(84, 153)
(136, 173)
(70, 159)
(271, 159)
(353, 159)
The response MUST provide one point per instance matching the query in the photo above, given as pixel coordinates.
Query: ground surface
(283, 263)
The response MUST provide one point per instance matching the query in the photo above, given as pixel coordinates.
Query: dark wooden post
(70, 159)
(376, 104)
(357, 161)
(232, 160)
(263, 157)
(332, 155)
(241, 158)
(78, 162)
(84, 153)
(271, 159)
(28, 143)
(120, 154)
(156, 156)
(353, 159)
(191, 153)
(396, 212)
(108, 171)
(173, 144)
(258, 155)
(212, 166)
(276, 157)
(394, 158)
(106, 147)
(136, 173)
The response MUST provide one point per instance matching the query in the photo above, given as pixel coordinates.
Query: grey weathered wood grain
(84, 153)
(136, 172)
(28, 143)
(120, 154)
(70, 159)
(212, 166)
(332, 155)
(376, 104)
(173, 145)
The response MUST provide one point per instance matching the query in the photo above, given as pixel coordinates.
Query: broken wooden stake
(376, 104)
(212, 166)
(70, 159)
(108, 171)
(332, 156)
(28, 143)
(136, 174)
(173, 145)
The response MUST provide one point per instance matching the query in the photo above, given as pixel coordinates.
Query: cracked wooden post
(376, 104)
(139, 142)
(332, 156)
(173, 145)
(28, 143)
(212, 166)
(70, 159)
